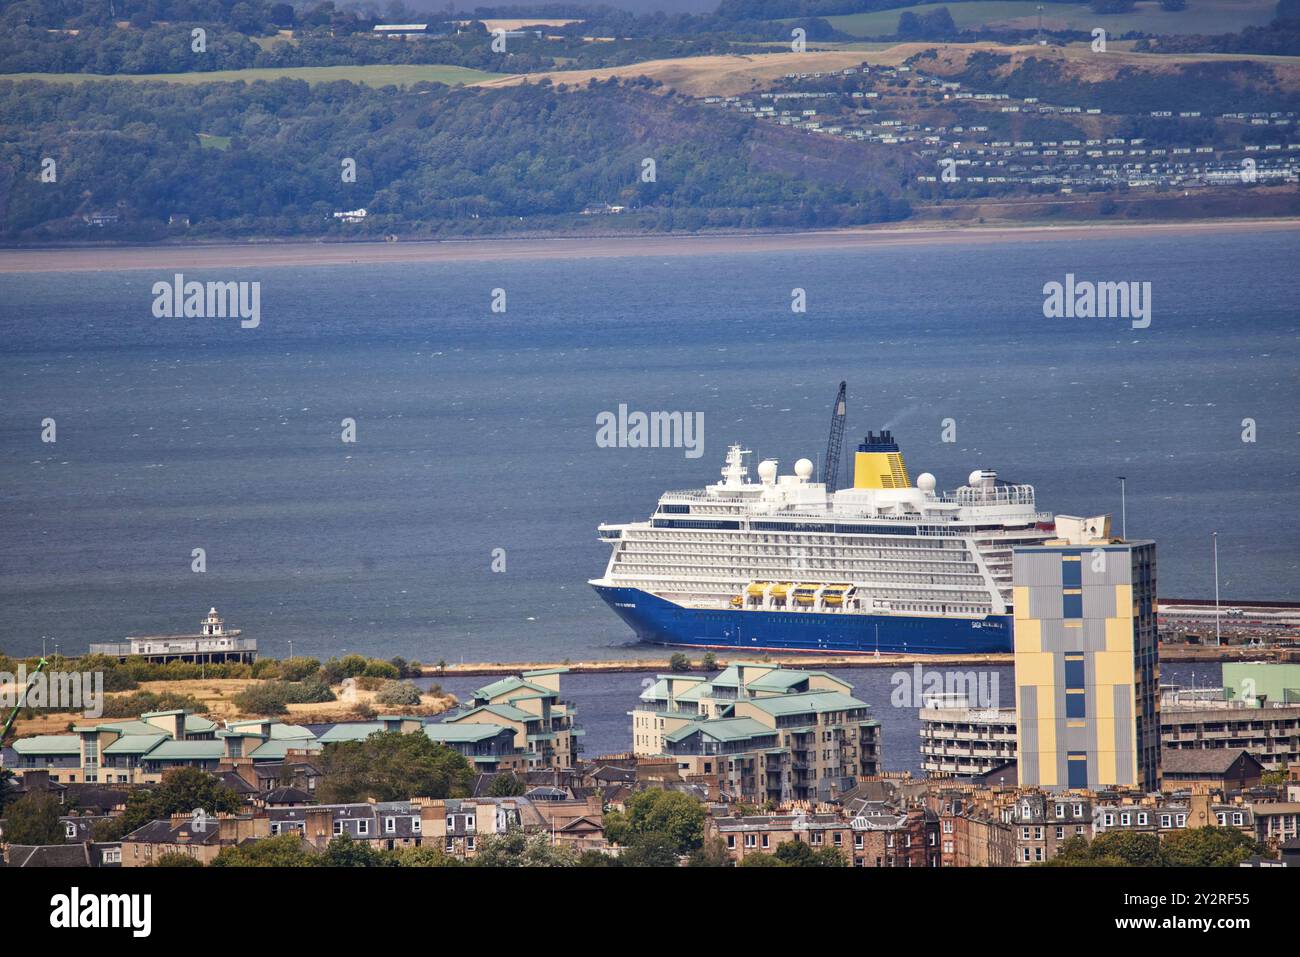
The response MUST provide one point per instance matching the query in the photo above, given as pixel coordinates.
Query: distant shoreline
(274, 254)
(1170, 653)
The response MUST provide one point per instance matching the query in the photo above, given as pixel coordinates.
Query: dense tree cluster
(266, 158)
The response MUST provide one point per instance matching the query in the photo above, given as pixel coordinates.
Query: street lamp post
(1123, 508)
(1218, 638)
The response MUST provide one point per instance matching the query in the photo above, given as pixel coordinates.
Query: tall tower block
(1087, 674)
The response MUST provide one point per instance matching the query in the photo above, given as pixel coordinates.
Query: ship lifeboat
(779, 592)
(805, 594)
(834, 595)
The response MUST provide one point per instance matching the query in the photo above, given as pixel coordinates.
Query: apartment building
(758, 733)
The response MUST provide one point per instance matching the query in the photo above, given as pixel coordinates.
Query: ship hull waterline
(659, 621)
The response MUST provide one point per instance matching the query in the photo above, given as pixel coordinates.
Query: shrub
(399, 693)
(268, 698)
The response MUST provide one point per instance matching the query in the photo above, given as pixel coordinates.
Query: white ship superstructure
(884, 547)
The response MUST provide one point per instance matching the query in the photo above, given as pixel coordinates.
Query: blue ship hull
(665, 623)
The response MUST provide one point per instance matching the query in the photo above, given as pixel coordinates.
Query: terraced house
(757, 733)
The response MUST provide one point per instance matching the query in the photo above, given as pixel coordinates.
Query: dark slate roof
(237, 784)
(289, 795)
(613, 774)
(1201, 761)
(168, 832)
(50, 855)
(94, 797)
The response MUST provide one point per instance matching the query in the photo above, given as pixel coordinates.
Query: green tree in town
(506, 784)
(424, 856)
(283, 850)
(1209, 847)
(712, 853)
(34, 819)
(517, 849)
(650, 850)
(390, 766)
(677, 816)
(343, 851)
(679, 662)
(761, 860)
(176, 859)
(799, 854)
(182, 790)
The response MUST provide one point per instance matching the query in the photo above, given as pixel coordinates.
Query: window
(390, 825)
(70, 830)
(415, 825)
(765, 840)
(1166, 820)
(338, 827)
(363, 826)
(469, 842)
(1237, 818)
(1142, 818)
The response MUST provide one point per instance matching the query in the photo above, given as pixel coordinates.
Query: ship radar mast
(734, 472)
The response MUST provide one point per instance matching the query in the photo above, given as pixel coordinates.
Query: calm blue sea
(476, 431)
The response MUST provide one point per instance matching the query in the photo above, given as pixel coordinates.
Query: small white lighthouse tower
(212, 626)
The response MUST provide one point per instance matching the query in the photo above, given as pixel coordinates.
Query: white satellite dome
(767, 471)
(974, 478)
(925, 482)
(804, 469)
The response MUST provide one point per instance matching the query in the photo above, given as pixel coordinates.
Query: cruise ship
(781, 564)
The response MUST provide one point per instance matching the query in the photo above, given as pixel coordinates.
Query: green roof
(507, 711)
(49, 744)
(279, 732)
(545, 671)
(187, 751)
(277, 749)
(721, 729)
(196, 723)
(508, 684)
(121, 727)
(467, 731)
(695, 693)
(812, 701)
(351, 731)
(136, 743)
(160, 714)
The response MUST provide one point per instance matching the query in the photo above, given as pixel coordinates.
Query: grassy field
(1201, 16)
(726, 74)
(374, 75)
(218, 695)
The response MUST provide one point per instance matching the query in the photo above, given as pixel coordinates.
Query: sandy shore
(269, 254)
